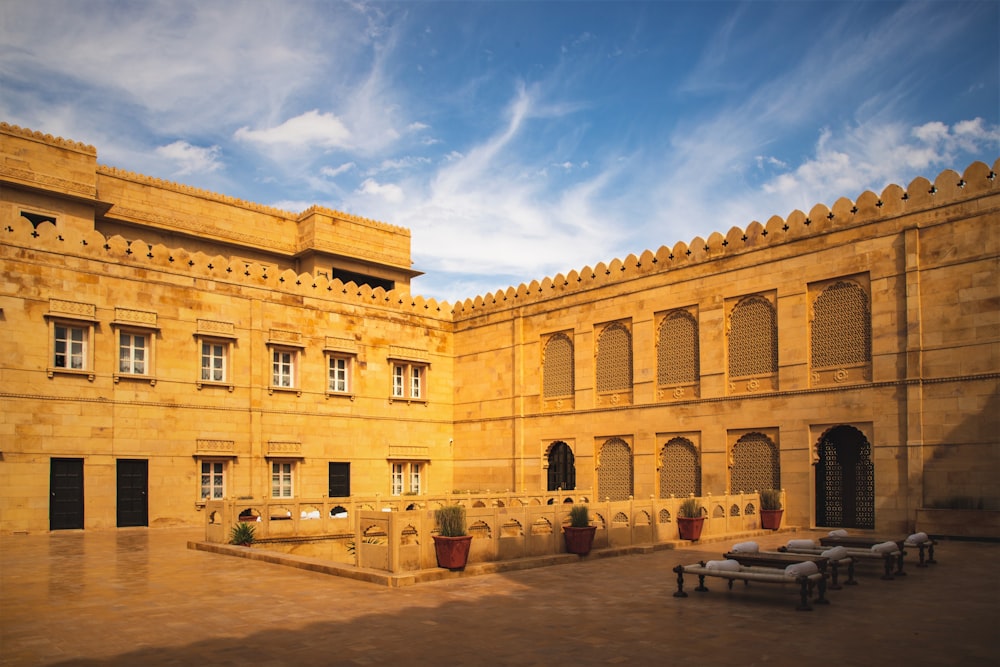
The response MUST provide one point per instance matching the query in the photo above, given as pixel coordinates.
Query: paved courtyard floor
(141, 597)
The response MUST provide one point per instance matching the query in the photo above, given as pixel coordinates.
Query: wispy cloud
(191, 159)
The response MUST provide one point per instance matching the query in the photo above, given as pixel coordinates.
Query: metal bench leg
(701, 588)
(850, 574)
(930, 553)
(899, 563)
(680, 582)
(887, 559)
(803, 595)
(834, 567)
(821, 599)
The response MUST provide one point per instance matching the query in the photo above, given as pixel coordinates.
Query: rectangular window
(132, 353)
(408, 380)
(415, 470)
(397, 381)
(213, 361)
(283, 368)
(415, 375)
(339, 379)
(407, 478)
(281, 480)
(70, 347)
(213, 480)
(397, 479)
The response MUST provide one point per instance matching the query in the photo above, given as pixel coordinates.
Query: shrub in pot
(579, 534)
(690, 520)
(770, 509)
(243, 534)
(451, 544)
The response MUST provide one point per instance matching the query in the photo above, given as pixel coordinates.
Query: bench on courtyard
(890, 557)
(733, 571)
(832, 559)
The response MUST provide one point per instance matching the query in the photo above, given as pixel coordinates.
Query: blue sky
(516, 140)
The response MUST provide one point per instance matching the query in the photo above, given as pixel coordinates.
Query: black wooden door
(65, 494)
(340, 480)
(133, 482)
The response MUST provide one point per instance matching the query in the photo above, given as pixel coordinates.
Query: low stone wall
(394, 534)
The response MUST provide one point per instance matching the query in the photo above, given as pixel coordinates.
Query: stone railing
(394, 534)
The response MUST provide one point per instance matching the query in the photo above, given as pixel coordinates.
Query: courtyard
(142, 597)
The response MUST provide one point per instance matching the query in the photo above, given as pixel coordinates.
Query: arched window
(677, 354)
(614, 475)
(680, 469)
(562, 468)
(841, 327)
(557, 366)
(756, 465)
(753, 338)
(614, 359)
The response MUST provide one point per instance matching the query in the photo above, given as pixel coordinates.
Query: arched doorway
(845, 479)
(562, 469)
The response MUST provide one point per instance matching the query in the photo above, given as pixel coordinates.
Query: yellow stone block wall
(931, 267)
(927, 402)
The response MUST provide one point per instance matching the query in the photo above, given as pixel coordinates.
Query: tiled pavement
(141, 597)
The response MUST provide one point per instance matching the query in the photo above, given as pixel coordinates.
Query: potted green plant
(579, 534)
(770, 509)
(243, 534)
(690, 520)
(451, 544)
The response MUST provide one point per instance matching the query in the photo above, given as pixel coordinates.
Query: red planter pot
(690, 527)
(452, 552)
(771, 519)
(579, 540)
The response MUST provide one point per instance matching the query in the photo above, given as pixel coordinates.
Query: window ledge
(285, 390)
(404, 399)
(135, 377)
(207, 383)
(340, 394)
(90, 375)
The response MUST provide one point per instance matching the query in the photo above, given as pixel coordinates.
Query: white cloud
(389, 191)
(191, 159)
(333, 172)
(312, 128)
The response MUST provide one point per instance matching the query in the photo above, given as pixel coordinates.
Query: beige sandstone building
(163, 346)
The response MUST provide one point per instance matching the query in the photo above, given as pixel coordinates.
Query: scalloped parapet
(92, 245)
(59, 142)
(921, 195)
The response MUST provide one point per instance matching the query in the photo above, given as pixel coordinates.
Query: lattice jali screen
(557, 366)
(614, 359)
(680, 469)
(677, 349)
(841, 326)
(614, 474)
(753, 338)
(756, 465)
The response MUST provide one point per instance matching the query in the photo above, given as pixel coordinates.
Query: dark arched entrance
(845, 479)
(562, 469)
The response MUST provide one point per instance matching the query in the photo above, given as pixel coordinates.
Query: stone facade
(162, 344)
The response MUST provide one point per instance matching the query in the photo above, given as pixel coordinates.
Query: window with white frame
(281, 479)
(214, 360)
(133, 353)
(283, 364)
(70, 351)
(397, 479)
(213, 480)
(409, 380)
(407, 478)
(339, 378)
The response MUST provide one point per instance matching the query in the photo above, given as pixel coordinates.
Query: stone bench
(747, 574)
